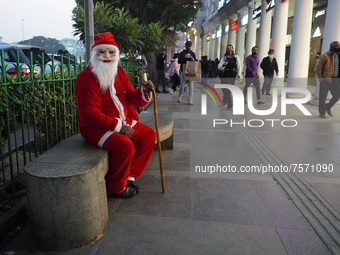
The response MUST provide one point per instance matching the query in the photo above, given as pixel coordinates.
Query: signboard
(219, 33)
(320, 13)
(226, 29)
(244, 20)
(233, 25)
(257, 12)
(317, 32)
(220, 4)
(270, 5)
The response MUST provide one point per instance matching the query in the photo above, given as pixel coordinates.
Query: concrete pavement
(214, 204)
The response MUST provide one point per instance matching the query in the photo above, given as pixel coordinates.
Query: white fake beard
(105, 72)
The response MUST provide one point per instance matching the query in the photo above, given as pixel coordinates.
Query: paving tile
(330, 192)
(281, 211)
(232, 201)
(180, 123)
(176, 107)
(24, 245)
(224, 149)
(299, 242)
(177, 159)
(175, 202)
(181, 136)
(136, 234)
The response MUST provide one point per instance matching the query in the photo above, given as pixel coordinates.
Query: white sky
(49, 18)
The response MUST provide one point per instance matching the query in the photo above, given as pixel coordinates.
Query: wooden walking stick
(157, 135)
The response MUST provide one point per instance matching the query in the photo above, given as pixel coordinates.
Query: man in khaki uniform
(328, 73)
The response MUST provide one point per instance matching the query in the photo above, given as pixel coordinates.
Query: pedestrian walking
(328, 72)
(185, 56)
(229, 67)
(174, 74)
(252, 77)
(269, 65)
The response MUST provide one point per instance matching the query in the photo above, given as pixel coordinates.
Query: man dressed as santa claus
(104, 97)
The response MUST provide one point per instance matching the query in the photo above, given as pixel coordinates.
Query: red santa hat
(104, 40)
(271, 51)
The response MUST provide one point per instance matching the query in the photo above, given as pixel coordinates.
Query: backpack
(171, 70)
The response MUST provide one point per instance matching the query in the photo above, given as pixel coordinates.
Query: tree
(170, 13)
(128, 34)
(133, 38)
(102, 14)
(51, 45)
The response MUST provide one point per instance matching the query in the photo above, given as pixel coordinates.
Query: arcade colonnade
(242, 24)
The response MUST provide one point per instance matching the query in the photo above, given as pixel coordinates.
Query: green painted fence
(37, 111)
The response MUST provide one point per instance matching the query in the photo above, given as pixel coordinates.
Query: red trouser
(129, 155)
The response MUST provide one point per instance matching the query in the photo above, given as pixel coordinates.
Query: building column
(232, 34)
(197, 49)
(224, 40)
(240, 39)
(300, 46)
(264, 34)
(279, 39)
(251, 30)
(193, 39)
(218, 42)
(205, 43)
(209, 43)
(332, 31)
(212, 45)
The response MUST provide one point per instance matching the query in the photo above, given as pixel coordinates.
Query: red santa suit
(101, 116)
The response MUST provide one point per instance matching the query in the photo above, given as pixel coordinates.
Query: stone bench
(66, 194)
(166, 127)
(66, 189)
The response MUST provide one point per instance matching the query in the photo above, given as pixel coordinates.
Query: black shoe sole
(126, 193)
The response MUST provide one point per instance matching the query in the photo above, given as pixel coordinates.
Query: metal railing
(37, 111)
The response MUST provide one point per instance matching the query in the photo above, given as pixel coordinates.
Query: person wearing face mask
(328, 73)
(104, 97)
(184, 56)
(252, 77)
(269, 65)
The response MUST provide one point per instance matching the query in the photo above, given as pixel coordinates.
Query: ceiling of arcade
(240, 6)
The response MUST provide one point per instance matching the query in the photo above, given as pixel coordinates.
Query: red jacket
(108, 110)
